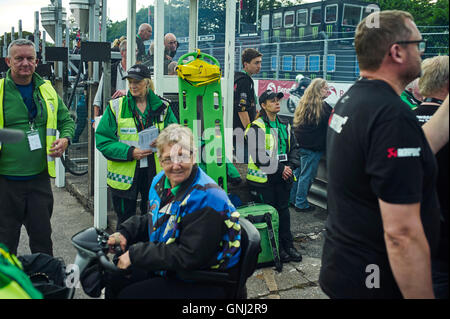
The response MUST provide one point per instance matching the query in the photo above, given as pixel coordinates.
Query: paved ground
(73, 212)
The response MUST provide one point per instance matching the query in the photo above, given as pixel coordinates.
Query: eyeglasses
(180, 159)
(421, 44)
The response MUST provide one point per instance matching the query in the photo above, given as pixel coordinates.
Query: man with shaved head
(144, 34)
(170, 49)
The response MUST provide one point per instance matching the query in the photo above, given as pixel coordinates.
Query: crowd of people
(385, 143)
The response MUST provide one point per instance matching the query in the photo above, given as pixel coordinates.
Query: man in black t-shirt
(433, 86)
(244, 103)
(383, 222)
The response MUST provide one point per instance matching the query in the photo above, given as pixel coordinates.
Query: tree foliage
(212, 14)
(425, 12)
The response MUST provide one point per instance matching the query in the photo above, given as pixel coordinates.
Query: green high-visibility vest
(14, 282)
(51, 101)
(120, 174)
(254, 173)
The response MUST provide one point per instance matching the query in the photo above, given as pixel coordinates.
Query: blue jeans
(305, 174)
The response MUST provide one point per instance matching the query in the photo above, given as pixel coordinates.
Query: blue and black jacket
(199, 229)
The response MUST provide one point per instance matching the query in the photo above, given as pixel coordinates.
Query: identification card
(282, 157)
(33, 140)
(143, 162)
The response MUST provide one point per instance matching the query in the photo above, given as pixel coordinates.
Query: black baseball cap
(269, 95)
(138, 72)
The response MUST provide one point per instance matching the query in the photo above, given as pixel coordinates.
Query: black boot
(294, 254)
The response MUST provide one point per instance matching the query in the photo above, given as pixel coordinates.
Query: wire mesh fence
(333, 58)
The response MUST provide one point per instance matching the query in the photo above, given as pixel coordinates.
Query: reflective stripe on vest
(254, 173)
(50, 97)
(120, 174)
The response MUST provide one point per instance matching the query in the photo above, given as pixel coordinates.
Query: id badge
(33, 140)
(282, 157)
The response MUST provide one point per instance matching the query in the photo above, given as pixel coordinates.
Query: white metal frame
(298, 20)
(168, 84)
(325, 13)
(343, 12)
(311, 15)
(293, 19)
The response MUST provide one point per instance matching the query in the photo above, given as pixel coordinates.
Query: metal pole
(277, 72)
(257, 15)
(36, 30)
(44, 37)
(5, 44)
(131, 33)
(20, 29)
(60, 170)
(104, 16)
(230, 28)
(193, 25)
(325, 54)
(100, 187)
(239, 18)
(159, 47)
(325, 57)
(12, 34)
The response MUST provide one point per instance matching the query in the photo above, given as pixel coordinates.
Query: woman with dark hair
(310, 129)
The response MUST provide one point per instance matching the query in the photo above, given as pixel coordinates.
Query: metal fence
(333, 59)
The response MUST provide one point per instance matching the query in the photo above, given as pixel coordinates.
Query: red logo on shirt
(392, 152)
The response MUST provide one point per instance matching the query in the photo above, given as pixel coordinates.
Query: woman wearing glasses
(130, 168)
(192, 226)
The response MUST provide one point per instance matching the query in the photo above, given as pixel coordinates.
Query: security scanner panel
(95, 51)
(56, 54)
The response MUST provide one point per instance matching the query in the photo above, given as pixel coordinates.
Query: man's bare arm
(436, 129)
(245, 119)
(408, 249)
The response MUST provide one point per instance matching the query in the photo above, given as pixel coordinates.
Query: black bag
(92, 279)
(47, 274)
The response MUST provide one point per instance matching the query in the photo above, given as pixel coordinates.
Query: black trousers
(125, 203)
(141, 285)
(28, 203)
(277, 196)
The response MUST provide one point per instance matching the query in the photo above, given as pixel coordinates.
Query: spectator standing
(170, 50)
(310, 128)
(383, 212)
(244, 99)
(144, 34)
(411, 94)
(30, 104)
(433, 86)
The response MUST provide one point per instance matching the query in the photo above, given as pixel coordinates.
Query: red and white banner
(335, 89)
(276, 86)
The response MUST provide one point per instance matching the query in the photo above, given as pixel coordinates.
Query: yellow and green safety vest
(120, 174)
(51, 101)
(254, 173)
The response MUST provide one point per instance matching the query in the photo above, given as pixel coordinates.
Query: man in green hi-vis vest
(30, 104)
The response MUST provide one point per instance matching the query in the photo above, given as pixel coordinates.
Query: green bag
(14, 283)
(265, 218)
